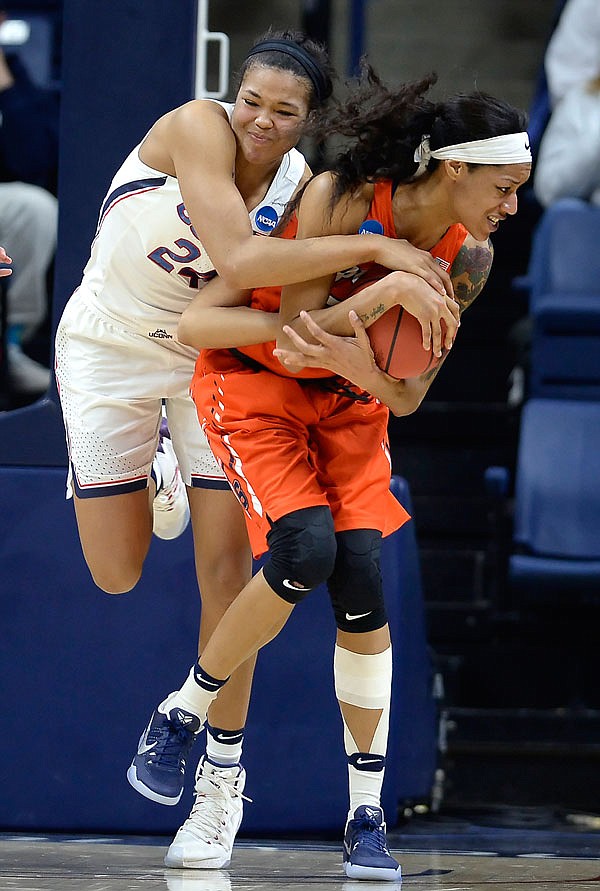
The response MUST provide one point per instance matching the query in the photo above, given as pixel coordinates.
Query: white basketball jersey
(147, 261)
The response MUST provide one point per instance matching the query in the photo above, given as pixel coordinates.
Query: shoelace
(169, 743)
(166, 494)
(210, 804)
(374, 836)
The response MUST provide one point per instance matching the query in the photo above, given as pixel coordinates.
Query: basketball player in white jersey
(186, 205)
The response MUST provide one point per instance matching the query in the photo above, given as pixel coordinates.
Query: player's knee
(221, 580)
(114, 580)
(355, 586)
(302, 550)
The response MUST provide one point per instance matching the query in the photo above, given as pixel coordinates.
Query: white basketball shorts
(112, 381)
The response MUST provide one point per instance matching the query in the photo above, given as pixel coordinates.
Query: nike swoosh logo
(368, 761)
(359, 616)
(289, 584)
(204, 682)
(143, 747)
(232, 739)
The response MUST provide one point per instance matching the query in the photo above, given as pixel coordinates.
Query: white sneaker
(170, 506)
(205, 841)
(24, 373)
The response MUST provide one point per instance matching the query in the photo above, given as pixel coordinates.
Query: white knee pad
(365, 681)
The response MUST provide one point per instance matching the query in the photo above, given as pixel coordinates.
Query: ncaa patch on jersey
(370, 226)
(266, 218)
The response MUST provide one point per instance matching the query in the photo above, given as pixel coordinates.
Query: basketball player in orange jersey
(305, 452)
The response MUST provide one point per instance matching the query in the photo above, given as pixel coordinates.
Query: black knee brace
(355, 585)
(301, 552)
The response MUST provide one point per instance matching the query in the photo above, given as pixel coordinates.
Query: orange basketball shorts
(286, 445)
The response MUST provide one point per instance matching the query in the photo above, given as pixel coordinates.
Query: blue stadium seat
(565, 303)
(564, 252)
(555, 551)
(565, 347)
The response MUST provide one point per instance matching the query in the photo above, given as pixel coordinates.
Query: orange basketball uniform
(290, 442)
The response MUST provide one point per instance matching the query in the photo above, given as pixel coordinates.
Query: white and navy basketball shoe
(366, 854)
(158, 769)
(205, 841)
(170, 508)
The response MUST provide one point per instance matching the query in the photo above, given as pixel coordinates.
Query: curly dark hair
(385, 125)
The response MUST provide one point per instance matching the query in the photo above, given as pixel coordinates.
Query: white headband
(513, 148)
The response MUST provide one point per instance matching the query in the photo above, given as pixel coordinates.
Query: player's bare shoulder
(320, 189)
(314, 214)
(340, 215)
(200, 123)
(471, 269)
(199, 117)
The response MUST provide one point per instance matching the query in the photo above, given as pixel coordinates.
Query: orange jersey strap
(381, 207)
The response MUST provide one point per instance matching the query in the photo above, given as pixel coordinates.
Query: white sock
(365, 786)
(224, 747)
(197, 693)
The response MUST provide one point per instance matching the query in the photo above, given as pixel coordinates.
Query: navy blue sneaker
(366, 854)
(158, 769)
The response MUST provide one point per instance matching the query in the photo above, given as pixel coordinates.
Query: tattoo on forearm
(429, 375)
(470, 272)
(372, 314)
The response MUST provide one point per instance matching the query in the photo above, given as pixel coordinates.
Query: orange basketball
(397, 340)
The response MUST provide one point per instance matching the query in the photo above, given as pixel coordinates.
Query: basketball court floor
(510, 861)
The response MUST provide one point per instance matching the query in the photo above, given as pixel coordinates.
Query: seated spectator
(573, 54)
(568, 163)
(28, 210)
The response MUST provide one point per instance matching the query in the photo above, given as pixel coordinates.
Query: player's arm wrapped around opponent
(352, 357)
(219, 317)
(209, 323)
(196, 144)
(437, 313)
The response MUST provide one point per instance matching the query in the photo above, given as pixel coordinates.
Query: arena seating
(565, 302)
(555, 550)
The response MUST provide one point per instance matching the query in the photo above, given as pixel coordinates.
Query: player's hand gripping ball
(397, 339)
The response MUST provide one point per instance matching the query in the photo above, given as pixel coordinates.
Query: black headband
(315, 75)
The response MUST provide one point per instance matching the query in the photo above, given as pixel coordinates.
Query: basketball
(397, 340)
